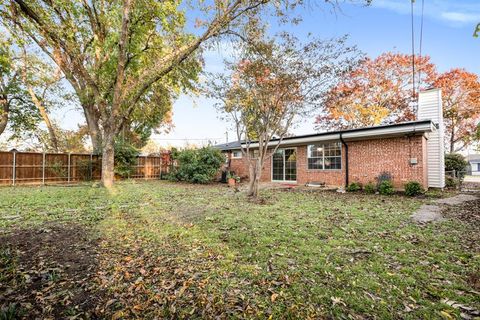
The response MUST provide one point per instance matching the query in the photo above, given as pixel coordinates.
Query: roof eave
(414, 128)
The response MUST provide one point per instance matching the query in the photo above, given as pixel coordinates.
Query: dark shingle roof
(228, 145)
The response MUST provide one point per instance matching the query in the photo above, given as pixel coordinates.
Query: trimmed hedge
(354, 186)
(370, 188)
(413, 188)
(386, 188)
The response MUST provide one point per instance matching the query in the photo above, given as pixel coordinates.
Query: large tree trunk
(255, 170)
(252, 187)
(3, 115)
(108, 155)
(93, 128)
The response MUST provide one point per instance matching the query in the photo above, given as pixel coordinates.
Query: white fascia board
(412, 128)
(372, 133)
(332, 137)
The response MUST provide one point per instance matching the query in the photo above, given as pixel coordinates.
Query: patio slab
(458, 199)
(428, 213)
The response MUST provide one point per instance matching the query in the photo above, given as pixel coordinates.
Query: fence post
(145, 168)
(91, 166)
(43, 168)
(68, 168)
(14, 172)
(161, 167)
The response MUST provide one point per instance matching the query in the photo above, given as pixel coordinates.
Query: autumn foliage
(376, 91)
(461, 106)
(273, 83)
(380, 91)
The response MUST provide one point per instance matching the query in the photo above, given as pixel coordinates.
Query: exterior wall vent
(430, 108)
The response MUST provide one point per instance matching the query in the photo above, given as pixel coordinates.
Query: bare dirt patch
(48, 272)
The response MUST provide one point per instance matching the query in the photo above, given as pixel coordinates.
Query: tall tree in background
(461, 106)
(376, 91)
(270, 86)
(39, 140)
(114, 53)
(17, 112)
(43, 85)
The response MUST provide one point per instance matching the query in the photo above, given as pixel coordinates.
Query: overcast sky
(384, 26)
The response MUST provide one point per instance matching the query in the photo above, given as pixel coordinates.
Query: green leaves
(197, 165)
(125, 158)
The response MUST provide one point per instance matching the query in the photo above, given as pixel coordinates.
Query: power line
(421, 42)
(413, 51)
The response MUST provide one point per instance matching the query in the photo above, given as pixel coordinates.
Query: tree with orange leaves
(271, 85)
(376, 91)
(461, 106)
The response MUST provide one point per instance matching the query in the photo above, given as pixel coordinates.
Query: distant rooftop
(228, 145)
(473, 157)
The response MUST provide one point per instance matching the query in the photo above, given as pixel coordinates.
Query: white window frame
(238, 156)
(323, 156)
(296, 166)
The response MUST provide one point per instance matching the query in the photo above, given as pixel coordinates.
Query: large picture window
(326, 156)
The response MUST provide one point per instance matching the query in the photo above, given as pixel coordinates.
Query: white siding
(430, 108)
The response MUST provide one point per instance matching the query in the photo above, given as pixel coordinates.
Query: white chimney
(430, 108)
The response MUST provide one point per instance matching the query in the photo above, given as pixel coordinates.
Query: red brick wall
(239, 167)
(329, 177)
(367, 159)
(370, 158)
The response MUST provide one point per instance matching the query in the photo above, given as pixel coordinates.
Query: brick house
(409, 151)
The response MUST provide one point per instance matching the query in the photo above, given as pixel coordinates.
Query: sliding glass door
(284, 165)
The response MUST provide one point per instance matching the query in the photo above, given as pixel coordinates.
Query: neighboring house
(407, 151)
(474, 163)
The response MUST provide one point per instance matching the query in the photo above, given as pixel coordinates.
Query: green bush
(370, 188)
(125, 158)
(457, 162)
(384, 176)
(413, 188)
(386, 187)
(354, 186)
(451, 183)
(196, 165)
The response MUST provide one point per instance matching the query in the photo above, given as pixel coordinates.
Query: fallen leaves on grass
(47, 272)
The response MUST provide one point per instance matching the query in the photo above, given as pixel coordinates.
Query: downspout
(346, 159)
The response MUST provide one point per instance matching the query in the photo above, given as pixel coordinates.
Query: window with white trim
(237, 154)
(325, 156)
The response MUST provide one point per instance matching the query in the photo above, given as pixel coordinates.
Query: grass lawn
(165, 250)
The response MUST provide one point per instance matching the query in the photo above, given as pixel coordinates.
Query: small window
(236, 154)
(254, 154)
(478, 168)
(325, 156)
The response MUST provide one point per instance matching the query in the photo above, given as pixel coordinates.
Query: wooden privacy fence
(48, 168)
